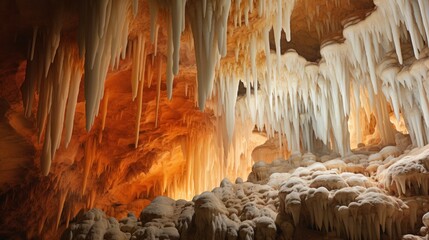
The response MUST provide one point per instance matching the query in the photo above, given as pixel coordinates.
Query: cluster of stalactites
(289, 94)
(103, 38)
(276, 15)
(54, 73)
(58, 91)
(209, 21)
(175, 27)
(304, 100)
(54, 68)
(399, 27)
(406, 88)
(297, 102)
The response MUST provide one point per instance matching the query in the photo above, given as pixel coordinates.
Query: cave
(214, 119)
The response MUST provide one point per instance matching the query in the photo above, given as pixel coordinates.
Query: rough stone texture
(123, 178)
(282, 201)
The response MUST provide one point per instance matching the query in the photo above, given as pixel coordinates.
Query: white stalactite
(209, 32)
(103, 39)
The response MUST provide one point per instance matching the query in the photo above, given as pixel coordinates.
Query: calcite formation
(282, 200)
(116, 103)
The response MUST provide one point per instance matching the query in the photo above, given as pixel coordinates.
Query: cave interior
(214, 119)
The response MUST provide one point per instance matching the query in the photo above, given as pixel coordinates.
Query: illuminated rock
(110, 104)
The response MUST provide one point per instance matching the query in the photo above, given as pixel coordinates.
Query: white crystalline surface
(408, 174)
(285, 198)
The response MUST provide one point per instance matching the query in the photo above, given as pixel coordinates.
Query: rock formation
(121, 106)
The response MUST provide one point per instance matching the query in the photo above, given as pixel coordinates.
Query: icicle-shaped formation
(177, 24)
(288, 6)
(277, 13)
(58, 93)
(209, 27)
(228, 86)
(377, 37)
(381, 31)
(301, 100)
(406, 89)
(44, 45)
(175, 27)
(335, 71)
(103, 41)
(307, 101)
(158, 91)
(54, 72)
(143, 58)
(139, 56)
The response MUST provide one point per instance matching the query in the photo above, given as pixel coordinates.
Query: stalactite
(153, 11)
(177, 9)
(139, 55)
(71, 102)
(141, 77)
(158, 91)
(139, 112)
(170, 60)
(210, 41)
(46, 158)
(149, 74)
(366, 42)
(56, 98)
(300, 100)
(90, 151)
(156, 40)
(33, 42)
(104, 110)
(68, 218)
(101, 45)
(62, 199)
